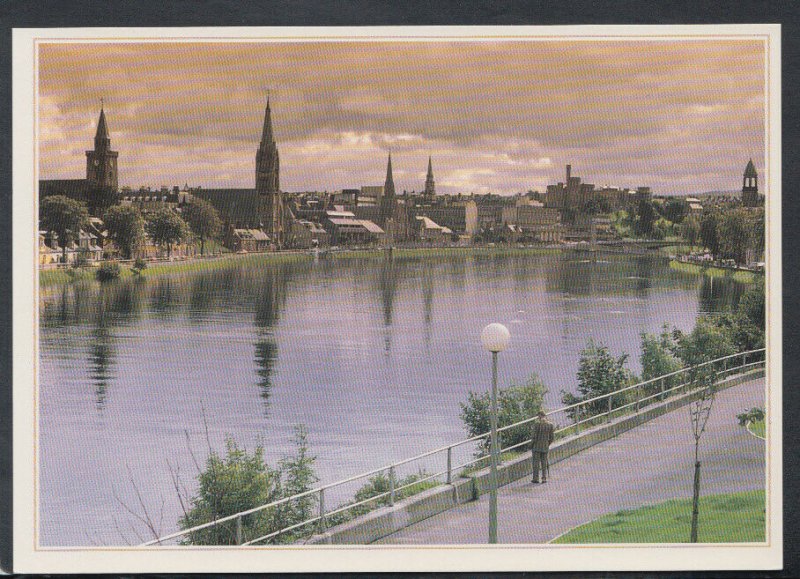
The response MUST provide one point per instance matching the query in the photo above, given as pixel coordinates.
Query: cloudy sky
(496, 116)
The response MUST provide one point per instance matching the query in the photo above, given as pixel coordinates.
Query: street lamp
(495, 338)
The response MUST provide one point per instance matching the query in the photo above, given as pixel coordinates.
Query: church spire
(266, 133)
(388, 186)
(101, 138)
(430, 184)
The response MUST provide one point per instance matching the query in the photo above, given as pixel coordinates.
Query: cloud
(664, 111)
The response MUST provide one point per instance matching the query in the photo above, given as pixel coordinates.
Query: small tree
(165, 228)
(658, 358)
(709, 234)
(599, 373)
(204, 221)
(108, 271)
(690, 230)
(514, 404)
(735, 233)
(64, 216)
(125, 226)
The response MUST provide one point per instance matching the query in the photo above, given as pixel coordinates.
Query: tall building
(268, 182)
(750, 186)
(101, 163)
(387, 201)
(430, 184)
(99, 189)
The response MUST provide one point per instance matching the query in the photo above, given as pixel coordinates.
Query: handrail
(448, 448)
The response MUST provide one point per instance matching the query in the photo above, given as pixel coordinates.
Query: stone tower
(101, 163)
(430, 184)
(750, 186)
(387, 198)
(268, 182)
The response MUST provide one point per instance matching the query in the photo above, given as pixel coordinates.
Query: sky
(498, 116)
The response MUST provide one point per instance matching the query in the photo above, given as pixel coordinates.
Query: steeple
(750, 170)
(101, 139)
(266, 132)
(750, 196)
(430, 184)
(388, 186)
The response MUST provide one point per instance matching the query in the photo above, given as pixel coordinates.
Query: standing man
(542, 436)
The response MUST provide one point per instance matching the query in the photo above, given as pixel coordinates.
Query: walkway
(652, 463)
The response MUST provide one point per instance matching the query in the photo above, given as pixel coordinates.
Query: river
(372, 355)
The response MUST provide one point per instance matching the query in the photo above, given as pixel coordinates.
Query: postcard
(426, 298)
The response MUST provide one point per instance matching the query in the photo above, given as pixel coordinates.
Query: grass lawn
(759, 428)
(725, 518)
(740, 276)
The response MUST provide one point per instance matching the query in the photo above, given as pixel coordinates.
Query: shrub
(514, 404)
(108, 271)
(139, 266)
(755, 414)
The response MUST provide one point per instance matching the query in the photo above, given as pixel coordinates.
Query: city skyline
(501, 117)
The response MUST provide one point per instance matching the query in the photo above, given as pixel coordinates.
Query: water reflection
(266, 354)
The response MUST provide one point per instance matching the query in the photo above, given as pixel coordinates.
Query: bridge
(636, 433)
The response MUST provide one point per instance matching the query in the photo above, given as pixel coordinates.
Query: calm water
(372, 356)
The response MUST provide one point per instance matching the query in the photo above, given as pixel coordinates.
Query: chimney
(569, 170)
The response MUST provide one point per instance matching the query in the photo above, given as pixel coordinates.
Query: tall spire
(388, 186)
(430, 184)
(266, 133)
(101, 138)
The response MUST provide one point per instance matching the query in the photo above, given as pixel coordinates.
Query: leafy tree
(108, 271)
(165, 227)
(707, 341)
(597, 205)
(752, 305)
(514, 404)
(690, 230)
(645, 217)
(598, 373)
(734, 234)
(675, 210)
(658, 358)
(709, 233)
(125, 226)
(204, 221)
(64, 216)
(242, 480)
(139, 266)
(758, 232)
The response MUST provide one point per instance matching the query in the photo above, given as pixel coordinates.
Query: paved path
(649, 464)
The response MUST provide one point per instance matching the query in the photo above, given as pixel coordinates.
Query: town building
(99, 189)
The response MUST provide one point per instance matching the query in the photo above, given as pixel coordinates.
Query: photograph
(459, 298)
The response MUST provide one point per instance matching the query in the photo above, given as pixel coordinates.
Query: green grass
(53, 277)
(724, 518)
(716, 272)
(759, 428)
(444, 252)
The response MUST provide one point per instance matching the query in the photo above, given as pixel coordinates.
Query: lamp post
(495, 338)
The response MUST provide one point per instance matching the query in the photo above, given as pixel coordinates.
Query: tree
(240, 481)
(690, 230)
(757, 232)
(597, 205)
(598, 373)
(125, 226)
(203, 219)
(734, 234)
(658, 358)
(514, 404)
(752, 305)
(165, 227)
(645, 217)
(64, 216)
(709, 233)
(675, 210)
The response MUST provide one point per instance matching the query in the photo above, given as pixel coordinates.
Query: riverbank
(56, 277)
(739, 275)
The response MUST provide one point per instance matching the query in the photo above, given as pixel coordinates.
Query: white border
(384, 558)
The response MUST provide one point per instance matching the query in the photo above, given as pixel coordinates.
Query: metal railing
(630, 399)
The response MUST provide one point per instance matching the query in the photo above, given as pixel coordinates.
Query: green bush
(240, 481)
(139, 266)
(108, 271)
(514, 404)
(753, 415)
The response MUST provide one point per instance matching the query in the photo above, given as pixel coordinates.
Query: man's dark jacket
(542, 435)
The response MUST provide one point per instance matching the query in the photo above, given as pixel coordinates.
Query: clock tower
(101, 163)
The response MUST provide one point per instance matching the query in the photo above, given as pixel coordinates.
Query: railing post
(608, 415)
(449, 464)
(321, 525)
(391, 486)
(661, 382)
(239, 540)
